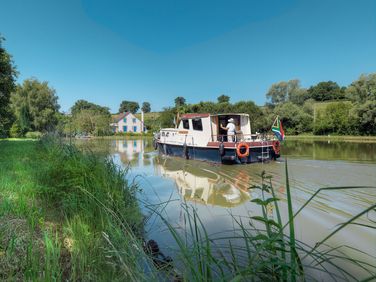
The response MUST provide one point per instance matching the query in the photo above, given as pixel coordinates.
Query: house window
(185, 123)
(125, 120)
(134, 120)
(125, 128)
(197, 124)
(134, 128)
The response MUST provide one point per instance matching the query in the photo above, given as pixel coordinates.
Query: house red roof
(194, 115)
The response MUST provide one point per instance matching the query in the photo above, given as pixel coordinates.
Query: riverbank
(344, 138)
(65, 215)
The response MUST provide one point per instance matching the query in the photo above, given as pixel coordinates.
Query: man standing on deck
(230, 128)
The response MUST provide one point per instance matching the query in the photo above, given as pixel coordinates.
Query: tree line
(32, 108)
(322, 109)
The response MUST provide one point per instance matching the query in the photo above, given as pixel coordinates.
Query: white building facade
(127, 122)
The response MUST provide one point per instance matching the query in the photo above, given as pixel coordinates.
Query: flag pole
(275, 121)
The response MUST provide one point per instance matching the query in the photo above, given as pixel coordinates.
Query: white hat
(231, 120)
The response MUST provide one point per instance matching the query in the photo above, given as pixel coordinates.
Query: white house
(127, 122)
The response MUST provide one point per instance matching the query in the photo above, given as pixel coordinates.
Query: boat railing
(240, 137)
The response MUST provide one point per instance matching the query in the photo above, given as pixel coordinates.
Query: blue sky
(113, 50)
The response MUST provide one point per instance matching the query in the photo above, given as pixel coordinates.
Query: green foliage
(223, 99)
(91, 122)
(179, 101)
(286, 91)
(64, 125)
(166, 118)
(87, 118)
(363, 89)
(129, 106)
(8, 75)
(35, 106)
(15, 130)
(146, 108)
(151, 121)
(335, 118)
(326, 90)
(80, 105)
(294, 119)
(75, 217)
(365, 117)
(34, 135)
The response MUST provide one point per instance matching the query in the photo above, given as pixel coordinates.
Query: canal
(220, 193)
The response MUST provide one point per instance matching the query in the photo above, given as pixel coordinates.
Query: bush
(34, 134)
(15, 131)
(335, 118)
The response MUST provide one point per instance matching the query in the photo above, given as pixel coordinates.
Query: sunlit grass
(67, 215)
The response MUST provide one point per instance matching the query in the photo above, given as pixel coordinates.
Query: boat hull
(212, 154)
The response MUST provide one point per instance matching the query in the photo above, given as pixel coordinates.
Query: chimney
(142, 121)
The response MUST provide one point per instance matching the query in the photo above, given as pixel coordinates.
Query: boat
(202, 137)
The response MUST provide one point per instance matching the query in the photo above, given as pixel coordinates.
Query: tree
(223, 99)
(326, 90)
(294, 119)
(129, 106)
(284, 91)
(250, 108)
(334, 118)
(179, 101)
(35, 106)
(277, 93)
(363, 89)
(64, 126)
(146, 107)
(90, 118)
(8, 75)
(80, 105)
(166, 118)
(365, 115)
(296, 94)
(89, 121)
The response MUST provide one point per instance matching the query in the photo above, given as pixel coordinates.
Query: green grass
(344, 138)
(66, 215)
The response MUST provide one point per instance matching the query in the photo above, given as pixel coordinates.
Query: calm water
(219, 192)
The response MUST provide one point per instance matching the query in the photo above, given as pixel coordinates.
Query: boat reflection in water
(201, 185)
(194, 184)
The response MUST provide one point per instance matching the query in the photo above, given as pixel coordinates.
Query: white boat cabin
(202, 129)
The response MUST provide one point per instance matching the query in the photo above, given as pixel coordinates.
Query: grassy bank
(344, 138)
(65, 215)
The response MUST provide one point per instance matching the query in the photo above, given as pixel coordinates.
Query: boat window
(185, 123)
(197, 124)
